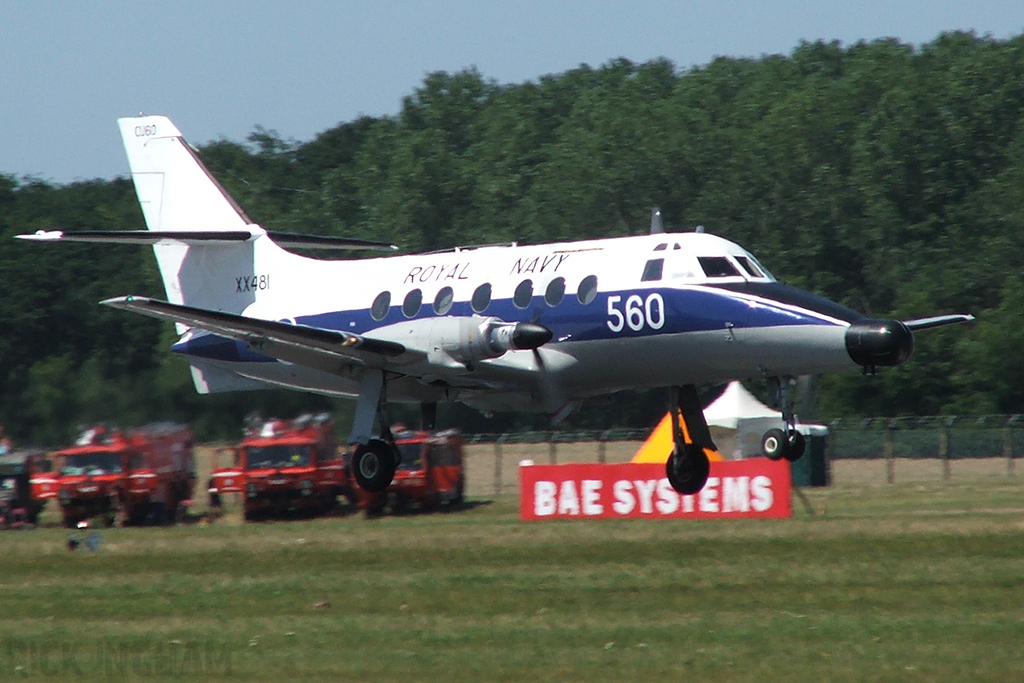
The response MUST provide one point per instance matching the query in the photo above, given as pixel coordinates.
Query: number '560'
(637, 313)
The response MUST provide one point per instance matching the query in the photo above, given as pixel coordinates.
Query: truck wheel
(458, 498)
(328, 502)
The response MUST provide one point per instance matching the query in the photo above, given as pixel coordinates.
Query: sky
(219, 69)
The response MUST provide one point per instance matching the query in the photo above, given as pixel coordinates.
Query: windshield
(91, 463)
(262, 457)
(717, 266)
(411, 459)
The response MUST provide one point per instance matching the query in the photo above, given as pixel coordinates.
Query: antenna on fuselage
(699, 228)
(657, 227)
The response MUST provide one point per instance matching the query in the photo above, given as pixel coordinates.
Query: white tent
(735, 404)
(738, 421)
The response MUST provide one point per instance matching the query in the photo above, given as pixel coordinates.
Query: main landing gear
(688, 466)
(787, 443)
(374, 460)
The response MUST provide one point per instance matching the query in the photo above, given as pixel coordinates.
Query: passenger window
(587, 291)
(717, 266)
(652, 271)
(443, 301)
(748, 266)
(381, 306)
(481, 297)
(413, 302)
(523, 294)
(555, 292)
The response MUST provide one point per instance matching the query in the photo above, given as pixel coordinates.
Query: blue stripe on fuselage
(692, 309)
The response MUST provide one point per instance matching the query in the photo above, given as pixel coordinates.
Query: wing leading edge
(937, 321)
(285, 341)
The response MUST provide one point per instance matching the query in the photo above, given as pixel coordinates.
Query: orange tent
(659, 444)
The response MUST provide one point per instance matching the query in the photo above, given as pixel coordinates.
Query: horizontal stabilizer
(271, 337)
(287, 240)
(139, 236)
(293, 240)
(937, 321)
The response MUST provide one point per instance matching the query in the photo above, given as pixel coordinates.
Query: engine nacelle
(468, 340)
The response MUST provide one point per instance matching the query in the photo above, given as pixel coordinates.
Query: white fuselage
(630, 312)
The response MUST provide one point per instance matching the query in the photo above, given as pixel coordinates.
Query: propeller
(552, 395)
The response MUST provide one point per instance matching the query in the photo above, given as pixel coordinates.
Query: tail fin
(178, 194)
(176, 191)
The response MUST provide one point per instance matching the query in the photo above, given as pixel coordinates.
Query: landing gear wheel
(688, 471)
(775, 445)
(374, 465)
(795, 446)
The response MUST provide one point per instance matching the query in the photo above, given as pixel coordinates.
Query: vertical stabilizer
(175, 189)
(177, 193)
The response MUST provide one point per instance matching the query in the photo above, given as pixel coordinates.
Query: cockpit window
(760, 266)
(717, 266)
(652, 271)
(749, 266)
(661, 247)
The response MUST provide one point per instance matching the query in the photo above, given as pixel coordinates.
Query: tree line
(885, 176)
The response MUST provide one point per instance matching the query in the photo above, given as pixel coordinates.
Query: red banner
(756, 487)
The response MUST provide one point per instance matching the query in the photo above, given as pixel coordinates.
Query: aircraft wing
(287, 240)
(937, 321)
(285, 341)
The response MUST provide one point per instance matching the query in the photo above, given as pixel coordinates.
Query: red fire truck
(283, 466)
(27, 481)
(140, 475)
(429, 473)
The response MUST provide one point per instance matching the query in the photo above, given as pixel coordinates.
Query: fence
(945, 439)
(492, 460)
(993, 444)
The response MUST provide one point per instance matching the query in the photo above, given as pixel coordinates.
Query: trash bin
(813, 468)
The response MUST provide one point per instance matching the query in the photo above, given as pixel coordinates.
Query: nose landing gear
(777, 444)
(787, 443)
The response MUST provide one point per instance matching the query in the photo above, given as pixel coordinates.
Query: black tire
(459, 497)
(373, 465)
(795, 447)
(774, 444)
(688, 471)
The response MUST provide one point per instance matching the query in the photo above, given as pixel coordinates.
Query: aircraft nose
(879, 342)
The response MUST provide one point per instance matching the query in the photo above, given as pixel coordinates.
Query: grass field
(920, 581)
